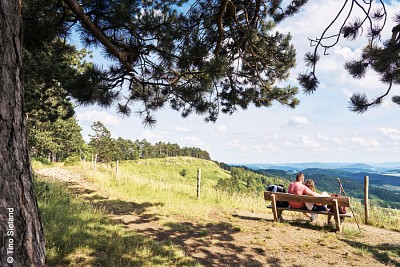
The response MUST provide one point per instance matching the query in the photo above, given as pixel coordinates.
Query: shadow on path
(211, 244)
(381, 252)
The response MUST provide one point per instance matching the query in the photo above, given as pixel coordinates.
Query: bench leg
(274, 208)
(329, 219)
(341, 222)
(337, 217)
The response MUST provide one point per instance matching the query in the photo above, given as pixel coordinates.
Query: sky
(320, 129)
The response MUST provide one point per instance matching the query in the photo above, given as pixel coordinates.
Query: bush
(42, 160)
(183, 172)
(72, 160)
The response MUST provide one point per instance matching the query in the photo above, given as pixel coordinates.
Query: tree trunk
(21, 232)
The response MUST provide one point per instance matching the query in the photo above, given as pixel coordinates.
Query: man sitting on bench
(298, 188)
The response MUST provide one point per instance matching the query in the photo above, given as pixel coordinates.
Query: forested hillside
(374, 178)
(61, 140)
(246, 181)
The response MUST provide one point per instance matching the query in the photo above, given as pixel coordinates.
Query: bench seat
(347, 214)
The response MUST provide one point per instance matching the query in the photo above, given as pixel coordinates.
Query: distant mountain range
(380, 168)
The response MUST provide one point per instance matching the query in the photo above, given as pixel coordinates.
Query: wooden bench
(334, 201)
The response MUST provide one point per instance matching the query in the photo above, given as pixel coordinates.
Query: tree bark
(21, 233)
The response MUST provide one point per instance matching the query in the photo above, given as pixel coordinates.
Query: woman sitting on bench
(315, 206)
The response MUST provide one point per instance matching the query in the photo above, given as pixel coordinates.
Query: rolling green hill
(175, 169)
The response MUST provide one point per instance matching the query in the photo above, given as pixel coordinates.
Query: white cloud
(392, 133)
(366, 143)
(322, 137)
(194, 141)
(308, 142)
(257, 148)
(104, 117)
(331, 64)
(271, 147)
(347, 92)
(153, 136)
(222, 129)
(342, 149)
(347, 53)
(297, 121)
(181, 129)
(367, 84)
(289, 144)
(238, 145)
(338, 141)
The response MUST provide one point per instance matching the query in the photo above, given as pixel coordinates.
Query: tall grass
(378, 216)
(79, 235)
(158, 183)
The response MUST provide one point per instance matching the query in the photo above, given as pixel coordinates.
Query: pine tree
(25, 244)
(102, 144)
(55, 140)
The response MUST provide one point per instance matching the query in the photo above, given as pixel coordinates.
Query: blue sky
(320, 129)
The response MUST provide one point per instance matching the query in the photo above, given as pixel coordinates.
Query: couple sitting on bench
(299, 187)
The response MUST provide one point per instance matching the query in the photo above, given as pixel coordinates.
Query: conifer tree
(102, 144)
(19, 216)
(55, 140)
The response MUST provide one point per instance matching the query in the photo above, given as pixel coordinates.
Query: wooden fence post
(198, 182)
(366, 202)
(116, 169)
(95, 162)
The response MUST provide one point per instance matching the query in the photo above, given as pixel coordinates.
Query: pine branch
(220, 15)
(94, 30)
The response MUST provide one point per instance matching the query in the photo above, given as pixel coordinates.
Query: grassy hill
(171, 169)
(161, 181)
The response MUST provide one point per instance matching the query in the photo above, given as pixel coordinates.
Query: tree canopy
(55, 140)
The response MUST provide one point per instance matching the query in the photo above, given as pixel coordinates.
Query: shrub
(42, 160)
(72, 160)
(183, 172)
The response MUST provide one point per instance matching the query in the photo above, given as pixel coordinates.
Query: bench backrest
(342, 201)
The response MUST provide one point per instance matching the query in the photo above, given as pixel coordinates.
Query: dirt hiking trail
(259, 241)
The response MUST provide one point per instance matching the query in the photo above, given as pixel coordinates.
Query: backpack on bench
(342, 210)
(278, 188)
